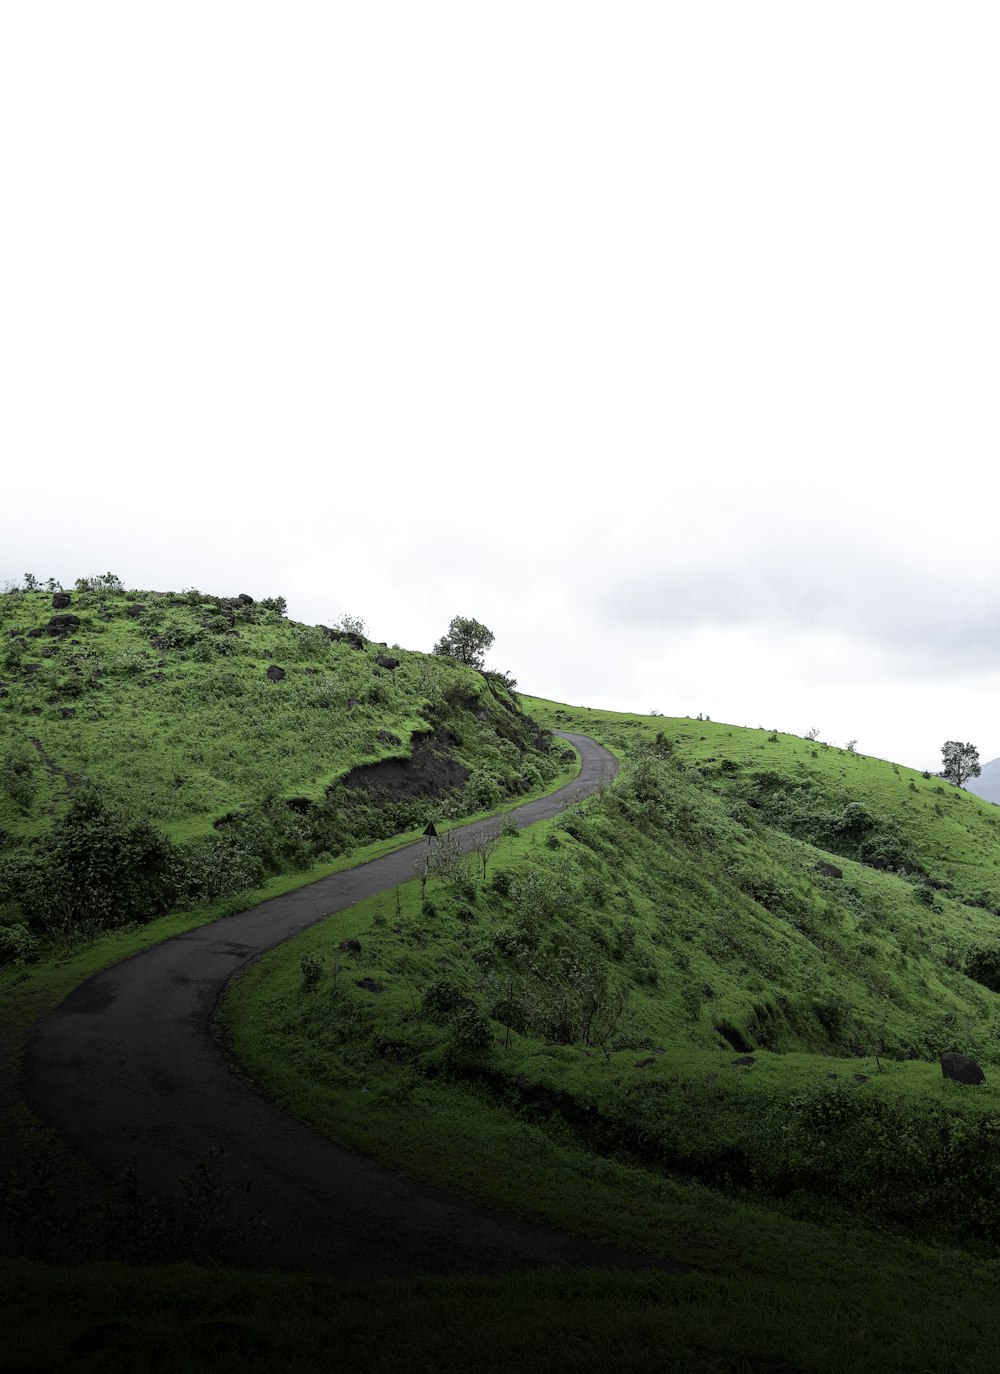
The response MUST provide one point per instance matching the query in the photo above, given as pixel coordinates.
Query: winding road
(128, 1068)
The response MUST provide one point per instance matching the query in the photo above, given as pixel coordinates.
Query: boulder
(961, 1069)
(245, 600)
(350, 945)
(828, 870)
(387, 661)
(745, 1061)
(136, 610)
(63, 625)
(275, 673)
(60, 600)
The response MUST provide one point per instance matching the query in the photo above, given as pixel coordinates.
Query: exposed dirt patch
(430, 771)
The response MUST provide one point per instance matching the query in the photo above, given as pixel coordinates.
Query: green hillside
(199, 743)
(680, 1022)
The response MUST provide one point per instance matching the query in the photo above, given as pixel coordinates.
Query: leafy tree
(467, 641)
(961, 762)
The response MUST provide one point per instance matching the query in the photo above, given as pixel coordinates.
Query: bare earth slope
(128, 1067)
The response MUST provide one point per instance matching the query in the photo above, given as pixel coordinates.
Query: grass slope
(161, 751)
(581, 1014)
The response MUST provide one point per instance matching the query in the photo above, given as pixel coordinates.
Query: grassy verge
(896, 1320)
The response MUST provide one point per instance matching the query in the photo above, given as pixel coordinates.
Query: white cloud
(529, 314)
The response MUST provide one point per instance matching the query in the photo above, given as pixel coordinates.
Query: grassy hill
(699, 1014)
(200, 743)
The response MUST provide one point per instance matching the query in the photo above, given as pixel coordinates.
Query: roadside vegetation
(704, 1009)
(699, 1015)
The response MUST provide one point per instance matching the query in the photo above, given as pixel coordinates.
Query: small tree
(961, 762)
(467, 641)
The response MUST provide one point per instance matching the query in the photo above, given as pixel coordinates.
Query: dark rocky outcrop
(63, 625)
(387, 737)
(430, 771)
(961, 1069)
(275, 673)
(387, 661)
(60, 600)
(136, 610)
(828, 870)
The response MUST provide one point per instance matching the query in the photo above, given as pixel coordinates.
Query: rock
(828, 870)
(136, 610)
(369, 985)
(961, 1069)
(245, 600)
(387, 737)
(568, 755)
(68, 712)
(63, 625)
(100, 1337)
(37, 632)
(387, 661)
(745, 1061)
(861, 1078)
(350, 945)
(351, 703)
(275, 673)
(60, 600)
(644, 1063)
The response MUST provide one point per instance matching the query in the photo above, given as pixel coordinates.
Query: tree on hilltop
(467, 641)
(961, 762)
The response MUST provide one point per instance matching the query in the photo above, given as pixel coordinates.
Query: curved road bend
(128, 1067)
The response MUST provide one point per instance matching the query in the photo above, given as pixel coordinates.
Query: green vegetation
(681, 1024)
(159, 751)
(699, 1014)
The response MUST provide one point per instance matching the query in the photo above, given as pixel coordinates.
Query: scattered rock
(369, 985)
(63, 625)
(60, 600)
(68, 713)
(387, 737)
(100, 1337)
(961, 1069)
(828, 870)
(350, 945)
(861, 1078)
(387, 661)
(745, 1061)
(275, 673)
(37, 632)
(644, 1063)
(136, 610)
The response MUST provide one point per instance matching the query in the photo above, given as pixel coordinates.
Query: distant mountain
(987, 785)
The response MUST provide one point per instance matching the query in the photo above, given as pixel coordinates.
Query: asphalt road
(128, 1068)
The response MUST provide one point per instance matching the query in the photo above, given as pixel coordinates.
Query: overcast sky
(664, 339)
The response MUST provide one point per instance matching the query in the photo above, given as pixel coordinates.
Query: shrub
(441, 1000)
(312, 970)
(470, 1032)
(983, 966)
